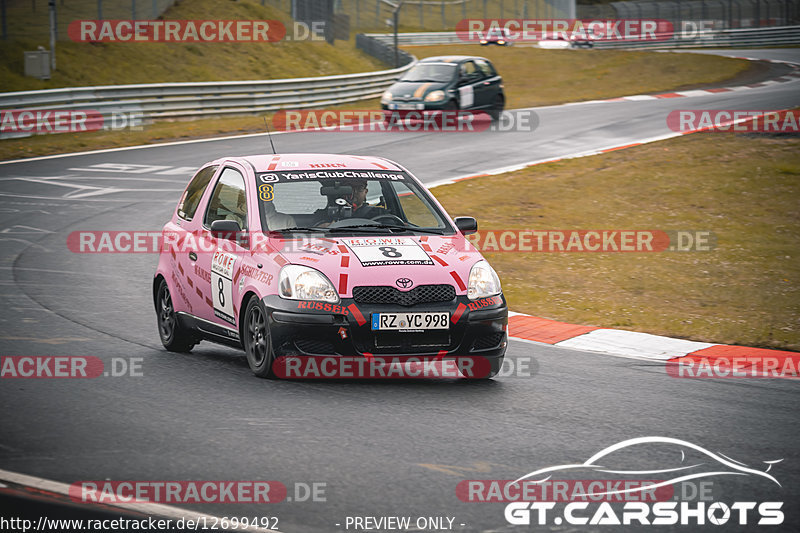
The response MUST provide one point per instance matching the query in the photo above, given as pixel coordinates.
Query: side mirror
(226, 229)
(466, 225)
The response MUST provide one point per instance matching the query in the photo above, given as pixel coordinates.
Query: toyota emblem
(404, 283)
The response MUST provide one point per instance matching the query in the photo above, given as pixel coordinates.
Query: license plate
(406, 107)
(410, 321)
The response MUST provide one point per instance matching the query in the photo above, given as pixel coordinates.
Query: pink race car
(324, 256)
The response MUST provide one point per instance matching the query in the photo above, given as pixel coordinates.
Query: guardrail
(197, 100)
(770, 36)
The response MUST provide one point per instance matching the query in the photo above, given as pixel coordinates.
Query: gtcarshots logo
(592, 504)
(176, 31)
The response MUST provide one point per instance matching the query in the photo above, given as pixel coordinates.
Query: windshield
(441, 72)
(347, 201)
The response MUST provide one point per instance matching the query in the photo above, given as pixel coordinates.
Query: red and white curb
(621, 343)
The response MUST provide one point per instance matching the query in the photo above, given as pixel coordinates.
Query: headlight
(435, 96)
(501, 42)
(483, 281)
(386, 97)
(484, 41)
(299, 282)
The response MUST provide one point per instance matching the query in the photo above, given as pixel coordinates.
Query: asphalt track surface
(382, 448)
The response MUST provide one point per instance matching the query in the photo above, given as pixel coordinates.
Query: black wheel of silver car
(497, 108)
(256, 339)
(174, 337)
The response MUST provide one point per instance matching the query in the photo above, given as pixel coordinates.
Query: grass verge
(743, 188)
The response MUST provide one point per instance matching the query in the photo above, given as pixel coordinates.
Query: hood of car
(409, 90)
(401, 261)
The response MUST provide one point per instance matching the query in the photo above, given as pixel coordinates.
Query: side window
(194, 192)
(414, 209)
(228, 202)
(485, 68)
(468, 70)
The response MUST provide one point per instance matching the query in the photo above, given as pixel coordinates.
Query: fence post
(133, 9)
(5, 27)
(99, 9)
(444, 24)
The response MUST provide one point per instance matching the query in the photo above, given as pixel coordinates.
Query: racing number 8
(389, 251)
(265, 192)
(221, 286)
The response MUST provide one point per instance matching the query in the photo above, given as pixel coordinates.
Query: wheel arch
(156, 282)
(242, 308)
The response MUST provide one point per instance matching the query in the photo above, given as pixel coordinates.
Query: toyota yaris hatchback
(322, 255)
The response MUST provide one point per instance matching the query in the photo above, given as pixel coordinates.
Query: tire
(452, 105)
(497, 108)
(174, 337)
(256, 339)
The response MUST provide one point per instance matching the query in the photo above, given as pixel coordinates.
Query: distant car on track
(324, 255)
(448, 83)
(498, 36)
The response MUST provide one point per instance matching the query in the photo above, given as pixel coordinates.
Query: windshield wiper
(362, 227)
(319, 230)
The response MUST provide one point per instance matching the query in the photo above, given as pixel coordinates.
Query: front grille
(422, 294)
(488, 341)
(409, 341)
(315, 347)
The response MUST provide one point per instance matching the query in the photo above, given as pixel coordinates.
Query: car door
(469, 93)
(489, 86)
(222, 258)
(180, 241)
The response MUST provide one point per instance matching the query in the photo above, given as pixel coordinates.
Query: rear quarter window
(194, 192)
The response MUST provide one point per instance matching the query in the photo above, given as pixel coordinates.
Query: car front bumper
(316, 329)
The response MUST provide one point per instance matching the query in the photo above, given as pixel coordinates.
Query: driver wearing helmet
(357, 201)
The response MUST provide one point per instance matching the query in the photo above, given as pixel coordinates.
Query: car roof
(308, 161)
(450, 59)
